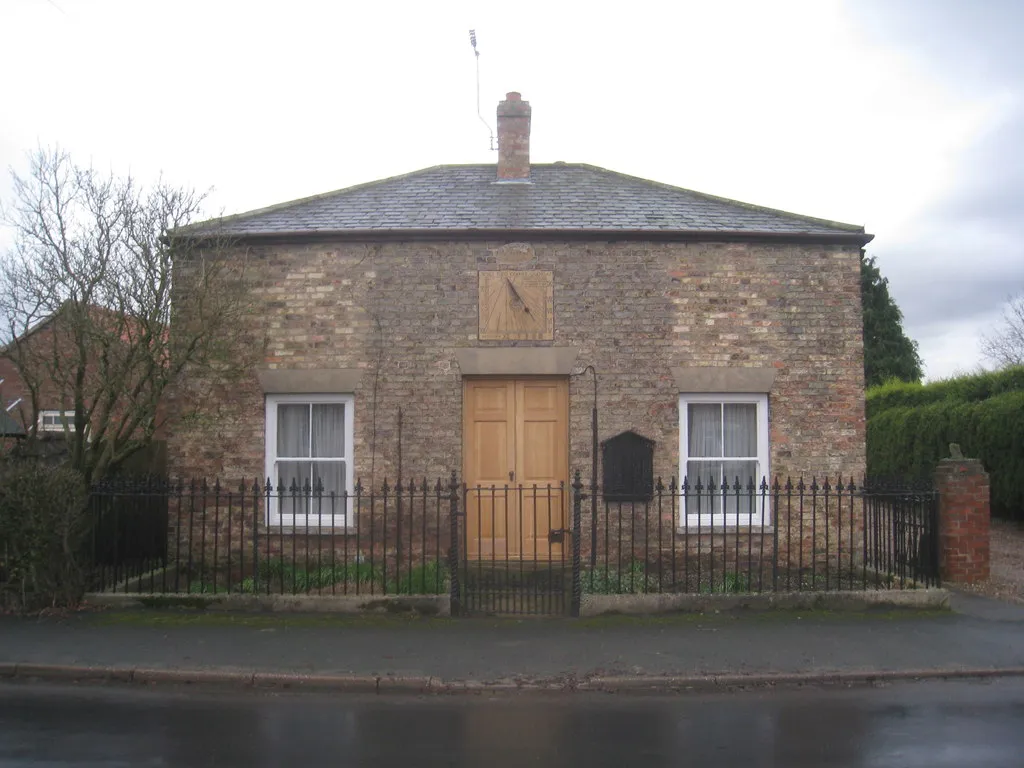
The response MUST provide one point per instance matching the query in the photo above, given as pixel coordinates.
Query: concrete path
(978, 637)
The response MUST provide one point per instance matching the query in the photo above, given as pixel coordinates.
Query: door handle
(511, 476)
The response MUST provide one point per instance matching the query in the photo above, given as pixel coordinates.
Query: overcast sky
(906, 116)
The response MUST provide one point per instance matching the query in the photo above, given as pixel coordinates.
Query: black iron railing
(218, 539)
(901, 534)
(512, 549)
(779, 537)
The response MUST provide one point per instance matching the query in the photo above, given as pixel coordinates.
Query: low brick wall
(424, 605)
(919, 599)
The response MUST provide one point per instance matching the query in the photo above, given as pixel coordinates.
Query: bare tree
(88, 294)
(1005, 345)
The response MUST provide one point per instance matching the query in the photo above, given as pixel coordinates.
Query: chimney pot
(513, 138)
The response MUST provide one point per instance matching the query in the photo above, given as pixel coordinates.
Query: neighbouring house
(34, 393)
(41, 371)
(490, 305)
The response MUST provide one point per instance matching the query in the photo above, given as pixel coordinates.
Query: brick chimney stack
(513, 138)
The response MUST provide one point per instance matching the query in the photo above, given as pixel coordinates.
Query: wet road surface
(930, 724)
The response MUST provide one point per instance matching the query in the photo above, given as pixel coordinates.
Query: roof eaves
(34, 328)
(43, 322)
(576, 233)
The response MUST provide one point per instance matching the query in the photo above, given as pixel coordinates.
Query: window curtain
(329, 430)
(726, 432)
(292, 430)
(705, 438)
(739, 430)
(329, 442)
(292, 443)
(315, 431)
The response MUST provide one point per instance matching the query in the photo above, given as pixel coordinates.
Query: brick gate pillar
(963, 519)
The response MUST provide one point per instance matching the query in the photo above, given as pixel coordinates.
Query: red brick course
(963, 487)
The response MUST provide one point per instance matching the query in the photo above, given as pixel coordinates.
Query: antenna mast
(472, 41)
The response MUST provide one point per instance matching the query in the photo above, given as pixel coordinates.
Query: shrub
(964, 389)
(731, 582)
(44, 531)
(430, 578)
(909, 441)
(631, 580)
(277, 574)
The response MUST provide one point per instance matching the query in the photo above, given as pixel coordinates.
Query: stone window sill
(312, 531)
(729, 530)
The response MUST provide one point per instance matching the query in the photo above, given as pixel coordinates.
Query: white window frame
(67, 417)
(340, 518)
(762, 515)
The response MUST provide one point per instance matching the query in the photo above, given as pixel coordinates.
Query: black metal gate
(517, 552)
(902, 531)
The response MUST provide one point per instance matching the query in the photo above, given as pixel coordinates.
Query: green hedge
(44, 528)
(909, 440)
(965, 389)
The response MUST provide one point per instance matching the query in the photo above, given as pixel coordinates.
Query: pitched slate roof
(559, 197)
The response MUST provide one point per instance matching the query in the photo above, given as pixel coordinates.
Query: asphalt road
(930, 724)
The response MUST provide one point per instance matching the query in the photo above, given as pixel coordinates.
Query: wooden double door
(516, 467)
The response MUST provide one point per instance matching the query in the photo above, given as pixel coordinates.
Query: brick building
(486, 301)
(88, 354)
(35, 383)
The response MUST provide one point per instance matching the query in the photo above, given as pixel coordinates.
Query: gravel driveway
(1007, 562)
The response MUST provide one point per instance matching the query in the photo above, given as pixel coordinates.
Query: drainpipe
(593, 471)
